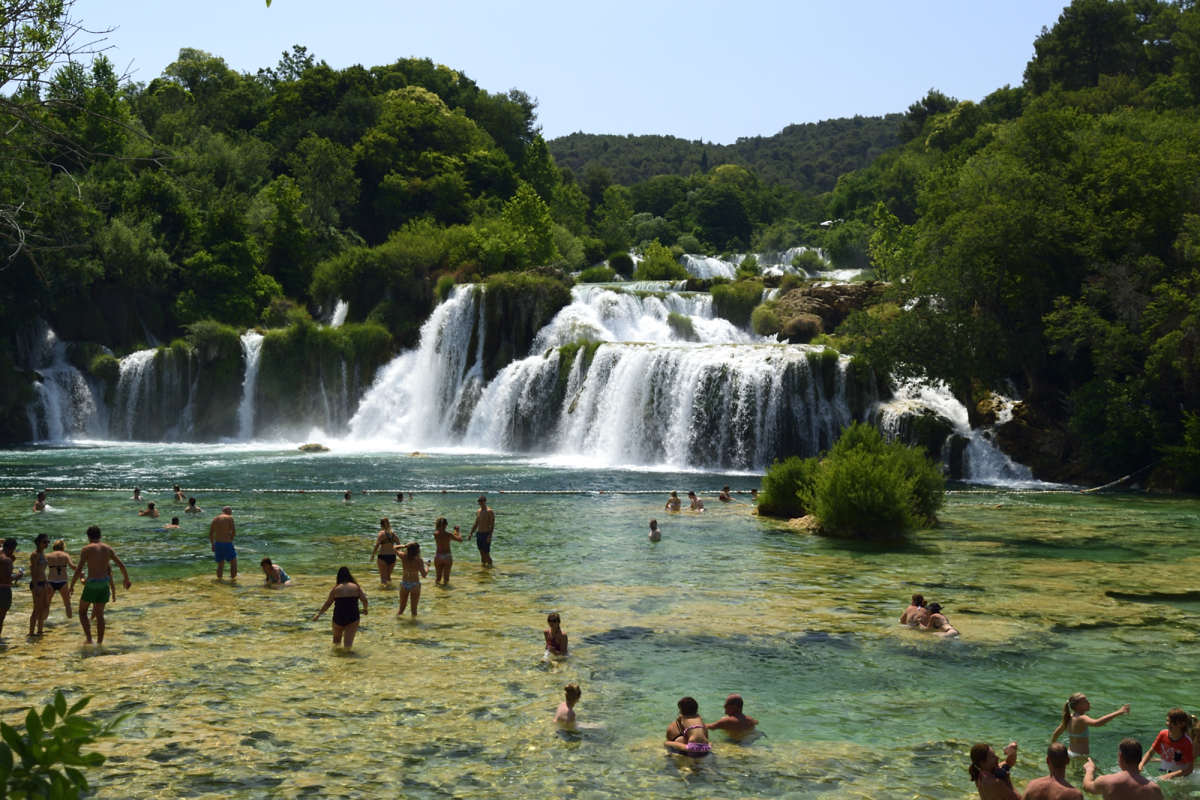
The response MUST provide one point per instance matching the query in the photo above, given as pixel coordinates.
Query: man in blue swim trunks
(485, 524)
(220, 535)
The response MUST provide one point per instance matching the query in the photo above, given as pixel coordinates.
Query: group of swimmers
(927, 617)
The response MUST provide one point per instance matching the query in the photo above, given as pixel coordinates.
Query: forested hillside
(807, 157)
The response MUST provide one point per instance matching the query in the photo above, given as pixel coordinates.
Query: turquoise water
(234, 692)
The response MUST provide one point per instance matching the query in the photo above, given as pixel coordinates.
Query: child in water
(564, 717)
(1175, 746)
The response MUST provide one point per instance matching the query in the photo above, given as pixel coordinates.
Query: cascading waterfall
(252, 342)
(65, 405)
(154, 397)
(707, 267)
(339, 314)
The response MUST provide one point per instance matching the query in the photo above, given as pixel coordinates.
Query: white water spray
(252, 353)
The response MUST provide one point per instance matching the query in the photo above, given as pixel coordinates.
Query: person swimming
(556, 638)
(443, 559)
(40, 503)
(673, 502)
(688, 735)
(938, 623)
(564, 717)
(150, 511)
(655, 533)
(275, 576)
(1076, 724)
(179, 497)
(916, 614)
(174, 526)
(348, 498)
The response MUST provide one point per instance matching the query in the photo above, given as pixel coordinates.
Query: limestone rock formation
(811, 310)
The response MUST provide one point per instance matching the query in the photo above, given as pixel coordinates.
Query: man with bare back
(95, 557)
(220, 537)
(485, 523)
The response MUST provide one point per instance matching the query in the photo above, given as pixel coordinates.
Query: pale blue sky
(700, 70)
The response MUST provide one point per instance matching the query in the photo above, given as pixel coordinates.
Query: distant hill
(807, 157)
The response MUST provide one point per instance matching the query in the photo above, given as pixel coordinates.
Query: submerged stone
(313, 448)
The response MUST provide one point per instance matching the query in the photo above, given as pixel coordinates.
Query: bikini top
(1084, 735)
(550, 642)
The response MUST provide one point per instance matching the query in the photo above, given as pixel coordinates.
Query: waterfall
(154, 397)
(707, 267)
(136, 394)
(339, 314)
(252, 342)
(64, 405)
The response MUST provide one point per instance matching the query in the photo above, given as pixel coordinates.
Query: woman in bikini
(938, 623)
(1075, 723)
(915, 615)
(688, 735)
(58, 562)
(556, 639)
(385, 551)
(39, 585)
(444, 559)
(344, 597)
(414, 568)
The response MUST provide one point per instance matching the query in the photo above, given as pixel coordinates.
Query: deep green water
(234, 692)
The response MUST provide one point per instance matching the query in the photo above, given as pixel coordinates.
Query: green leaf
(80, 706)
(60, 703)
(33, 726)
(48, 716)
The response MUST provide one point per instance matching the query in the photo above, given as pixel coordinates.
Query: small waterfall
(154, 398)
(252, 354)
(65, 405)
(339, 314)
(136, 394)
(707, 267)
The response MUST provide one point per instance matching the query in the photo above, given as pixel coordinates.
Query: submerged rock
(806, 523)
(313, 448)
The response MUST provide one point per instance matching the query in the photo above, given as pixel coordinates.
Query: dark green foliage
(445, 284)
(1090, 39)
(47, 759)
(282, 312)
(597, 274)
(809, 261)
(212, 340)
(622, 263)
(1117, 423)
(765, 319)
(1185, 457)
(782, 485)
(658, 264)
(682, 325)
(737, 301)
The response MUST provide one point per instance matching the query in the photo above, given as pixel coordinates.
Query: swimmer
(179, 497)
(399, 497)
(1175, 746)
(174, 526)
(564, 717)
(916, 614)
(1129, 783)
(735, 722)
(485, 522)
(150, 511)
(723, 495)
(696, 503)
(673, 502)
(384, 552)
(58, 561)
(137, 494)
(275, 574)
(413, 568)
(1054, 786)
(39, 584)
(443, 559)
(344, 597)
(192, 508)
(655, 533)
(688, 735)
(754, 495)
(95, 557)
(220, 539)
(348, 498)
(40, 503)
(1075, 723)
(938, 623)
(6, 579)
(990, 777)
(556, 639)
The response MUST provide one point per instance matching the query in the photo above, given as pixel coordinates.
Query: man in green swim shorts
(95, 556)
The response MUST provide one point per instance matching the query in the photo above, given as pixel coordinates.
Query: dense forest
(807, 157)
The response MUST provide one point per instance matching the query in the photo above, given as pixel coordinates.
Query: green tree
(658, 264)
(539, 171)
(1090, 39)
(530, 217)
(324, 172)
(288, 257)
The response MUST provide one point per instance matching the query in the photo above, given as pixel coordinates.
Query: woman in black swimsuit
(58, 562)
(38, 585)
(344, 597)
(385, 551)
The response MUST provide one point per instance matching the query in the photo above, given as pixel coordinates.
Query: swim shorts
(5, 598)
(95, 591)
(484, 541)
(223, 551)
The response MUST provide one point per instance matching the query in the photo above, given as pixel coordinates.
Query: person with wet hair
(688, 735)
(150, 511)
(1128, 783)
(990, 777)
(673, 502)
(564, 717)
(735, 722)
(192, 508)
(344, 597)
(275, 576)
(556, 638)
(58, 561)
(938, 623)
(40, 503)
(655, 533)
(1076, 724)
(1175, 746)
(916, 614)
(413, 569)
(1054, 786)
(174, 526)
(443, 557)
(384, 552)
(179, 497)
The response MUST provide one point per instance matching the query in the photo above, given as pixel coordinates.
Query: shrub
(622, 263)
(749, 268)
(283, 312)
(54, 739)
(212, 340)
(765, 320)
(789, 282)
(1185, 457)
(444, 285)
(659, 265)
(781, 487)
(809, 261)
(737, 301)
(689, 244)
(105, 367)
(682, 325)
(597, 275)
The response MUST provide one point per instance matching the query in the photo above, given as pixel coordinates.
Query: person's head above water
(1075, 702)
(1057, 757)
(674, 494)
(573, 693)
(59, 544)
(399, 497)
(553, 619)
(191, 501)
(1129, 753)
(918, 600)
(266, 562)
(688, 707)
(93, 533)
(174, 520)
(441, 523)
(983, 759)
(150, 505)
(653, 524)
(344, 575)
(41, 496)
(934, 608)
(733, 704)
(347, 497)
(1180, 719)
(691, 494)
(177, 488)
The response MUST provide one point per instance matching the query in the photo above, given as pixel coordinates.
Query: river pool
(232, 691)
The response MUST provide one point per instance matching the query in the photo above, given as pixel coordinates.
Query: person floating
(40, 503)
(39, 584)
(413, 569)
(696, 504)
(220, 537)
(1054, 786)
(150, 511)
(58, 561)
(556, 639)
(938, 623)
(95, 557)
(1175, 746)
(276, 577)
(673, 502)
(723, 495)
(384, 552)
(399, 497)
(916, 615)
(192, 508)
(485, 523)
(735, 722)
(564, 717)
(990, 777)
(443, 558)
(655, 533)
(344, 597)
(688, 735)
(1128, 783)
(1075, 723)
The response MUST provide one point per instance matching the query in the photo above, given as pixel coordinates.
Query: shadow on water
(1184, 601)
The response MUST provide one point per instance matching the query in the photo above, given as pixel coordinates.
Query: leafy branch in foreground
(46, 760)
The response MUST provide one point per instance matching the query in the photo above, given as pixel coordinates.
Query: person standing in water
(1076, 724)
(1129, 783)
(344, 597)
(220, 537)
(150, 511)
(673, 502)
(688, 735)
(275, 575)
(39, 585)
(556, 638)
(6, 579)
(95, 557)
(696, 503)
(916, 615)
(384, 552)
(485, 524)
(179, 497)
(137, 494)
(1054, 786)
(723, 495)
(655, 533)
(443, 559)
(990, 777)
(399, 497)
(413, 569)
(1175, 746)
(192, 508)
(174, 526)
(347, 498)
(564, 717)
(58, 561)
(735, 723)
(40, 503)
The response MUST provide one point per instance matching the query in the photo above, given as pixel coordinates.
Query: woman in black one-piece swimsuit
(344, 597)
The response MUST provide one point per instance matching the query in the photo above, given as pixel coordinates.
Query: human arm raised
(1096, 723)
(1089, 778)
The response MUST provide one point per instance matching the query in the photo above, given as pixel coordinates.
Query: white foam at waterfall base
(252, 342)
(65, 405)
(339, 314)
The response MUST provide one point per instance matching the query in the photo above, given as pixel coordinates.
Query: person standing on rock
(485, 523)
(220, 536)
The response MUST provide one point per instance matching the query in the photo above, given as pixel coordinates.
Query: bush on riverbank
(781, 487)
(736, 301)
(659, 264)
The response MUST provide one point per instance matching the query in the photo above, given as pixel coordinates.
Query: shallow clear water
(234, 692)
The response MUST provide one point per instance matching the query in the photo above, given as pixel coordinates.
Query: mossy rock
(802, 329)
(737, 301)
(683, 326)
(516, 306)
(313, 448)
(16, 392)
